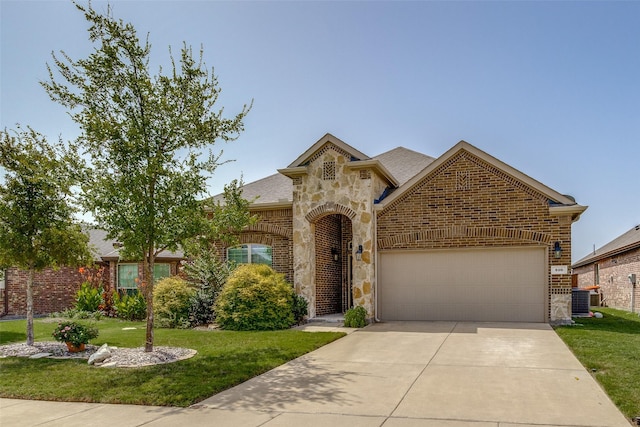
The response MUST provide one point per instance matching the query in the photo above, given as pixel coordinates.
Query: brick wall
(274, 228)
(614, 283)
(53, 290)
(328, 272)
(467, 202)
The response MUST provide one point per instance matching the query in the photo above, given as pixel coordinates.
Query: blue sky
(550, 88)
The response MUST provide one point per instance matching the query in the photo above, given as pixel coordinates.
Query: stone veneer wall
(467, 202)
(330, 187)
(614, 283)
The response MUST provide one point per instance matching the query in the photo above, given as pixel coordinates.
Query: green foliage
(149, 139)
(130, 306)
(37, 225)
(75, 333)
(300, 308)
(355, 317)
(73, 313)
(610, 347)
(172, 299)
(88, 298)
(201, 308)
(224, 359)
(255, 297)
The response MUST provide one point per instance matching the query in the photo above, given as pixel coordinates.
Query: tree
(37, 226)
(145, 135)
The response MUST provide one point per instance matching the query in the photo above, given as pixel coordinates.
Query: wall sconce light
(557, 250)
(359, 253)
(334, 254)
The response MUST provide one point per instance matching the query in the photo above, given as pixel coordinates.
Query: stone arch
(329, 208)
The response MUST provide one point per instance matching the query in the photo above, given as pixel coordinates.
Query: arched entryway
(333, 235)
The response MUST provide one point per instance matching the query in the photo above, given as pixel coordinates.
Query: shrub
(130, 306)
(208, 274)
(355, 317)
(74, 333)
(171, 301)
(88, 298)
(255, 297)
(300, 308)
(201, 308)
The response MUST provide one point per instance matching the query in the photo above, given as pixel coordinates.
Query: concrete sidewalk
(397, 374)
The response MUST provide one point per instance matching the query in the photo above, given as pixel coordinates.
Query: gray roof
(272, 189)
(624, 243)
(103, 248)
(401, 162)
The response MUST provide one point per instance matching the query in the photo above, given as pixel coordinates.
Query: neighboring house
(609, 267)
(410, 237)
(54, 290)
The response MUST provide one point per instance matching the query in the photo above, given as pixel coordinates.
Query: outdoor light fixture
(557, 250)
(359, 253)
(334, 254)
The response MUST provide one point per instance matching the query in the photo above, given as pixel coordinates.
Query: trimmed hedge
(255, 297)
(171, 302)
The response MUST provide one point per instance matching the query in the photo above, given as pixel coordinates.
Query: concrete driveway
(397, 374)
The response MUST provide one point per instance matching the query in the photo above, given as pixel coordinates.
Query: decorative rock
(40, 355)
(101, 355)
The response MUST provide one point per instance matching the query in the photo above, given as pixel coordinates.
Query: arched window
(250, 253)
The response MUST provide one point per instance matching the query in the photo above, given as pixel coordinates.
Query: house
(54, 290)
(410, 237)
(609, 267)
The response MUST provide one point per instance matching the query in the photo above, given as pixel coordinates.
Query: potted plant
(75, 335)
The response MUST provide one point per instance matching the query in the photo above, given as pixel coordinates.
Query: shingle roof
(272, 189)
(403, 163)
(103, 248)
(626, 242)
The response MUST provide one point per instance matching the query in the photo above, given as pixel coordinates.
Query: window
(596, 274)
(128, 273)
(251, 253)
(2, 279)
(160, 271)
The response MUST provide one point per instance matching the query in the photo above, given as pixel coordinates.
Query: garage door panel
(472, 285)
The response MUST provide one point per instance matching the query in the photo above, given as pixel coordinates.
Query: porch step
(328, 318)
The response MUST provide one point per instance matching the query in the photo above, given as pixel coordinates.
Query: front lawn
(224, 359)
(610, 348)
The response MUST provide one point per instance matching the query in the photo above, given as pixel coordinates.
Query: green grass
(224, 359)
(610, 348)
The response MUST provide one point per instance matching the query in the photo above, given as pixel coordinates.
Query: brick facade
(328, 271)
(274, 228)
(53, 290)
(469, 203)
(613, 279)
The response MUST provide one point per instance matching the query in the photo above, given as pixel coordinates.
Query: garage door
(473, 285)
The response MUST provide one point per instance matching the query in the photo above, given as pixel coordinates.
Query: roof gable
(403, 163)
(308, 155)
(623, 243)
(561, 203)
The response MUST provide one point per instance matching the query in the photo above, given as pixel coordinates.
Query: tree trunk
(147, 280)
(30, 306)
